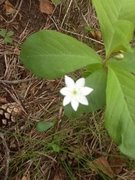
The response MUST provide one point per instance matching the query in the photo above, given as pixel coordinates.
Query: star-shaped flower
(75, 92)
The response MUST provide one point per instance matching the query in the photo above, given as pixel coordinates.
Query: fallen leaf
(117, 164)
(101, 164)
(96, 34)
(46, 7)
(1, 1)
(57, 177)
(3, 100)
(59, 174)
(10, 9)
(26, 177)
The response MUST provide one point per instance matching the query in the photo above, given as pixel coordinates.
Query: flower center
(74, 92)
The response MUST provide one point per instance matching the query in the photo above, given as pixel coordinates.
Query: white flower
(75, 92)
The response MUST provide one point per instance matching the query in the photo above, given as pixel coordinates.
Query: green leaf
(97, 81)
(56, 148)
(120, 37)
(51, 54)
(3, 32)
(127, 63)
(10, 33)
(117, 21)
(120, 112)
(7, 40)
(43, 126)
(6, 35)
(90, 69)
(56, 2)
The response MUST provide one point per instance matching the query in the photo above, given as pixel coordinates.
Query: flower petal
(74, 104)
(69, 82)
(80, 82)
(83, 100)
(65, 91)
(66, 100)
(86, 90)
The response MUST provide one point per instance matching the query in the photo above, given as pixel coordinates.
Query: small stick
(82, 36)
(15, 81)
(70, 3)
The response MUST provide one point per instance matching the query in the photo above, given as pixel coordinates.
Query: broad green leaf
(43, 126)
(97, 81)
(127, 63)
(120, 112)
(121, 35)
(51, 54)
(117, 21)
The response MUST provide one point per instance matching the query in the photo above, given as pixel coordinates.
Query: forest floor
(73, 149)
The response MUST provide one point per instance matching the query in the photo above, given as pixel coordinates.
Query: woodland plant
(50, 54)
(75, 92)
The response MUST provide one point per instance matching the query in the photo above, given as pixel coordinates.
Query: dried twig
(70, 3)
(82, 36)
(15, 81)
